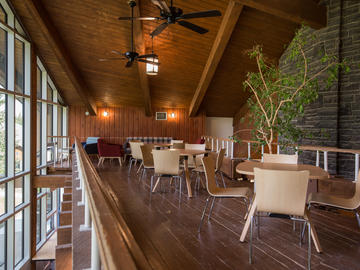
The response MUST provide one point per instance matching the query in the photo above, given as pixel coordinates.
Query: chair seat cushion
(241, 192)
(326, 199)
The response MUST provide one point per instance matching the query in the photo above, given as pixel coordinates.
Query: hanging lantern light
(152, 68)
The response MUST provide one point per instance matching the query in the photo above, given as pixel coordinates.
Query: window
(38, 221)
(19, 134)
(19, 237)
(3, 202)
(3, 135)
(38, 134)
(3, 58)
(19, 191)
(3, 246)
(19, 66)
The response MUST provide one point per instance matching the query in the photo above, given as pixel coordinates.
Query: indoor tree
(278, 98)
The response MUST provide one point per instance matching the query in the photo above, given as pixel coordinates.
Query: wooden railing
(215, 144)
(112, 244)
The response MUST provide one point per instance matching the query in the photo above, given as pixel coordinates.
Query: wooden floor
(166, 230)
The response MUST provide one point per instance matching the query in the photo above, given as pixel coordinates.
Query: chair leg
(141, 165)
(203, 213)
(99, 163)
(156, 184)
(258, 226)
(309, 245)
(180, 188)
(120, 162)
(357, 217)
(151, 183)
(211, 208)
(130, 164)
(251, 236)
(294, 226)
(142, 175)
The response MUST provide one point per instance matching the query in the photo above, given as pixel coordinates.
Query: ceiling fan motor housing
(131, 55)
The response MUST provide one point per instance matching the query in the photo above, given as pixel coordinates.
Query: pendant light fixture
(152, 69)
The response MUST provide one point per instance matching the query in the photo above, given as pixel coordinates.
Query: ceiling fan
(132, 55)
(174, 15)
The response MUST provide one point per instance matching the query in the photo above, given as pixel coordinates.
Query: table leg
(247, 223)
(187, 176)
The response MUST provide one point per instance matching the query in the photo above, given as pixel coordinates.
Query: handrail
(318, 149)
(117, 246)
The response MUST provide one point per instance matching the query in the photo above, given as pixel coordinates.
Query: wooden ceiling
(70, 36)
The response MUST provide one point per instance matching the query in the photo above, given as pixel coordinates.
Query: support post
(249, 150)
(356, 167)
(87, 220)
(227, 148)
(278, 149)
(212, 144)
(95, 257)
(325, 160)
(232, 149)
(262, 153)
(317, 158)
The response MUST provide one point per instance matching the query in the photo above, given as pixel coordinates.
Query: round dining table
(247, 168)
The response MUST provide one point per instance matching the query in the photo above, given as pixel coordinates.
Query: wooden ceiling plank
(226, 28)
(297, 11)
(48, 29)
(140, 48)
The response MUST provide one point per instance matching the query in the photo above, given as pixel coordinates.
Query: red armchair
(107, 150)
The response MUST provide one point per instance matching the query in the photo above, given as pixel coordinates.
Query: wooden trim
(118, 247)
(50, 181)
(140, 48)
(6, 91)
(225, 30)
(48, 29)
(298, 11)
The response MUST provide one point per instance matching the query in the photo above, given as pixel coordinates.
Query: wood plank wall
(125, 122)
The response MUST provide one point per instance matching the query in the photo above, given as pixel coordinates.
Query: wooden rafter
(47, 27)
(140, 48)
(226, 28)
(297, 11)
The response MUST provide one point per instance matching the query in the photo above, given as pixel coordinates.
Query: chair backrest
(177, 141)
(280, 158)
(195, 146)
(166, 162)
(136, 150)
(220, 158)
(281, 192)
(178, 146)
(209, 168)
(147, 157)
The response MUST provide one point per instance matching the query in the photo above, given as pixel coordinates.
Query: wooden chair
(166, 164)
(350, 204)
(280, 158)
(193, 163)
(136, 154)
(218, 192)
(200, 169)
(282, 193)
(147, 159)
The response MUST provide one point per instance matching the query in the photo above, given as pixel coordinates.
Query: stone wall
(334, 118)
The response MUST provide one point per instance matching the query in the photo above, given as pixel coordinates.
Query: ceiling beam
(297, 11)
(48, 29)
(140, 48)
(225, 30)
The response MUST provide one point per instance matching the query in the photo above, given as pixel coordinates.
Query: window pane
(2, 135)
(38, 221)
(50, 225)
(19, 237)
(3, 57)
(19, 66)
(2, 246)
(38, 83)
(49, 93)
(19, 132)
(3, 198)
(49, 201)
(50, 132)
(38, 134)
(19, 191)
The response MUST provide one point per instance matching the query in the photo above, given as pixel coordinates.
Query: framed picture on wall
(161, 116)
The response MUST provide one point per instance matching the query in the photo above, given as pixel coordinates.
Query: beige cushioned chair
(136, 154)
(351, 204)
(166, 164)
(281, 192)
(193, 163)
(280, 158)
(147, 159)
(218, 192)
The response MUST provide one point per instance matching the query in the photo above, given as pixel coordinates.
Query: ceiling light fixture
(152, 68)
(172, 115)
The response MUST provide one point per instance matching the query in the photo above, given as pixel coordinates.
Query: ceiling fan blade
(159, 29)
(201, 14)
(147, 55)
(129, 64)
(193, 27)
(117, 52)
(139, 18)
(162, 5)
(110, 59)
(148, 62)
